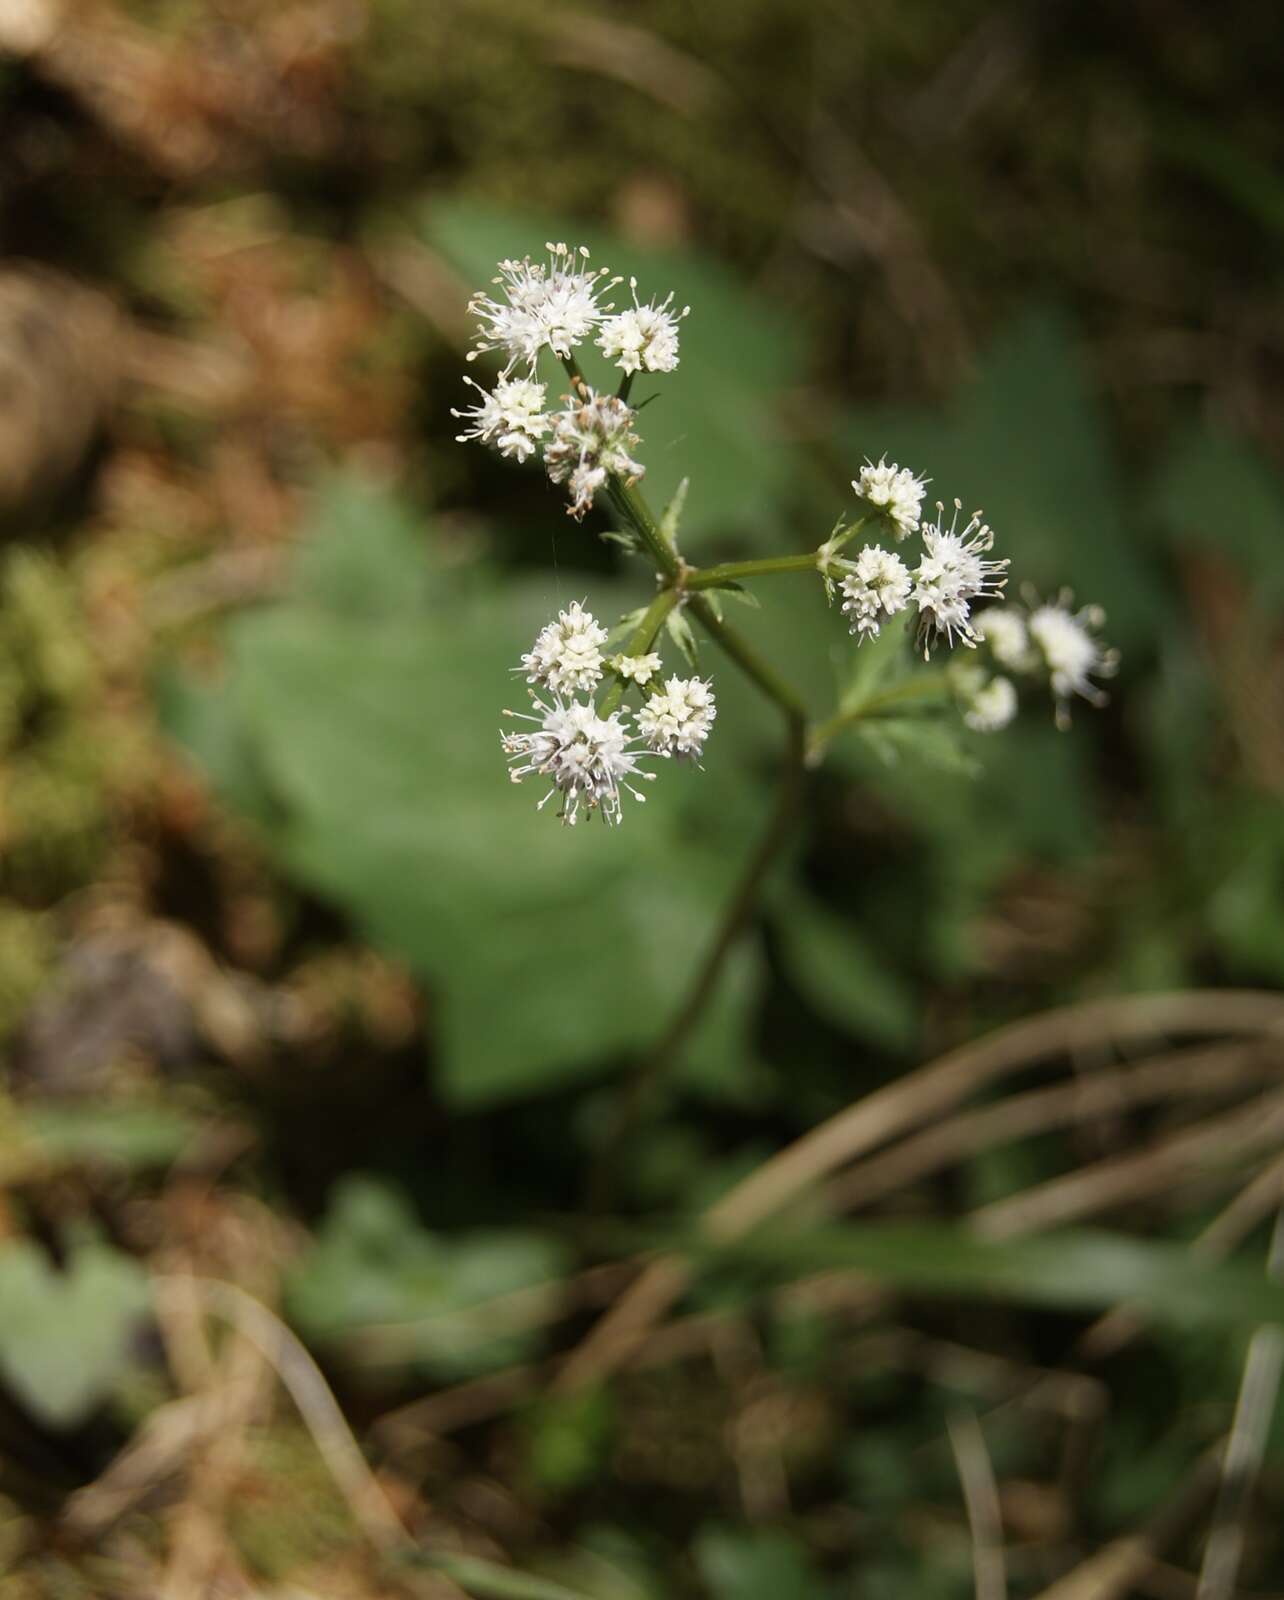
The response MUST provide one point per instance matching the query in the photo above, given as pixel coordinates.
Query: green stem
(731, 571)
(733, 922)
(635, 511)
(639, 642)
(922, 686)
(633, 507)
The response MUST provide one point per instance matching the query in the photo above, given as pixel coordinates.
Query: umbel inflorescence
(587, 746)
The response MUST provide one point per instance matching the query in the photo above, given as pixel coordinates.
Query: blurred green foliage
(65, 1336)
(455, 1307)
(1032, 251)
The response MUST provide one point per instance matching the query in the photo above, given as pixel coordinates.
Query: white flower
(640, 668)
(592, 438)
(677, 719)
(951, 575)
(990, 707)
(511, 417)
(567, 654)
(642, 336)
(1070, 652)
(588, 760)
(551, 306)
(877, 585)
(1004, 630)
(894, 490)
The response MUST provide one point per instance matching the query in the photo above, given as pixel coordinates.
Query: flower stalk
(582, 744)
(736, 571)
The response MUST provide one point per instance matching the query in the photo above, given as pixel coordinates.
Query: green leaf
(366, 556)
(738, 593)
(65, 1333)
(131, 1135)
(679, 630)
(836, 969)
(720, 1060)
(717, 411)
(380, 783)
(738, 1564)
(920, 743)
(671, 517)
(489, 1581)
(204, 719)
(392, 1292)
(1070, 1270)
(567, 1437)
(1214, 493)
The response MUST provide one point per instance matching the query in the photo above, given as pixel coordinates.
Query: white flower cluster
(643, 337)
(956, 570)
(893, 490)
(676, 720)
(567, 655)
(556, 305)
(589, 750)
(590, 760)
(988, 702)
(1046, 639)
(877, 585)
(545, 306)
(638, 669)
(511, 417)
(591, 439)
(952, 573)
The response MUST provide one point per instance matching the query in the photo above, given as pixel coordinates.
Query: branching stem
(732, 571)
(922, 686)
(639, 642)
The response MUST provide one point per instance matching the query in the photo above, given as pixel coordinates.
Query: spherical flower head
(953, 573)
(893, 490)
(567, 655)
(549, 305)
(991, 706)
(511, 417)
(640, 669)
(587, 760)
(643, 337)
(677, 719)
(876, 586)
(1070, 652)
(1004, 631)
(592, 438)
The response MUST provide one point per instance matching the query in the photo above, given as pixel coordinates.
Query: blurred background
(297, 995)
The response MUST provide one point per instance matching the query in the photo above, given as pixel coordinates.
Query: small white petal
(953, 573)
(544, 306)
(643, 337)
(588, 760)
(992, 706)
(876, 586)
(676, 719)
(1070, 652)
(567, 655)
(641, 669)
(591, 439)
(893, 490)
